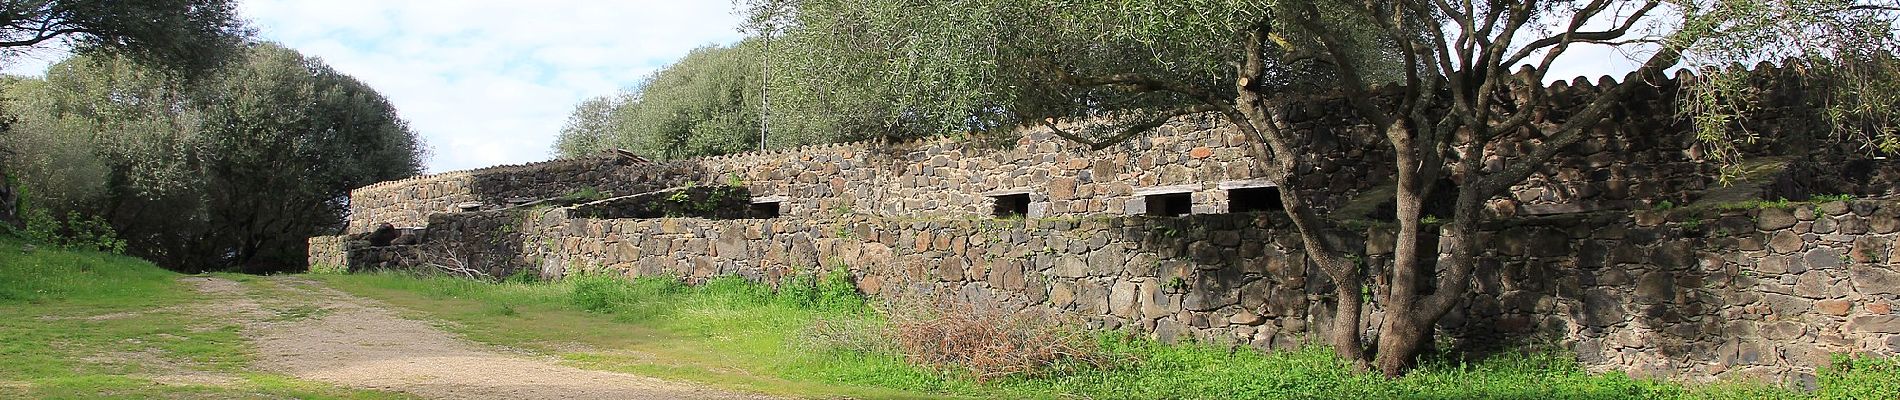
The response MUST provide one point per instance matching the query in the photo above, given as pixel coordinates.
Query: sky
(489, 82)
(484, 82)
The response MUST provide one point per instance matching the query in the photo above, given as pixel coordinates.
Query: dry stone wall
(409, 202)
(1586, 251)
(1696, 294)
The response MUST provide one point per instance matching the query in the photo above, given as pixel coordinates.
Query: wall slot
(1170, 204)
(1255, 199)
(1011, 205)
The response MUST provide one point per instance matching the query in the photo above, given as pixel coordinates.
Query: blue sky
(488, 82)
(483, 82)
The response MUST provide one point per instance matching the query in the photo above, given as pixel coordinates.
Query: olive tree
(1452, 65)
(183, 37)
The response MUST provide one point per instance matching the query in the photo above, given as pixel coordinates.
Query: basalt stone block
(1772, 219)
(1785, 242)
(1875, 280)
(1888, 324)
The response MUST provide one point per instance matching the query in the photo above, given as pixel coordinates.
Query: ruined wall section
(410, 202)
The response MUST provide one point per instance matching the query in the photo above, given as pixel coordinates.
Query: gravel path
(304, 329)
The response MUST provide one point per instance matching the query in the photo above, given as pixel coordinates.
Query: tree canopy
(706, 103)
(178, 35)
(231, 172)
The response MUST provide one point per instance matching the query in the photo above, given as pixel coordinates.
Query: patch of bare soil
(309, 331)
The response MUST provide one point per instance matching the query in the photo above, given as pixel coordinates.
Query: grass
(87, 325)
(740, 335)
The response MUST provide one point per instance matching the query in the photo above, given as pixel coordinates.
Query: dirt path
(304, 329)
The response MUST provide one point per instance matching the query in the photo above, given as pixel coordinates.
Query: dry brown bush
(989, 340)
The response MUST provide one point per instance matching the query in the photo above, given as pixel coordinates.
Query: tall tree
(1134, 64)
(185, 37)
(232, 172)
(706, 103)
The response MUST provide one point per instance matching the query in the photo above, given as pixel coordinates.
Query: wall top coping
(1168, 189)
(1247, 184)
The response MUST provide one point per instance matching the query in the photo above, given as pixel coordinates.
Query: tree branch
(1129, 131)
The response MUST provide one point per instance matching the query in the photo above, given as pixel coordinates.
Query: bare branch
(1130, 130)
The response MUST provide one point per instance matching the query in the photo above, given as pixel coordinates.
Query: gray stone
(1122, 299)
(1602, 308)
(1783, 330)
(951, 269)
(1070, 267)
(1883, 223)
(1245, 317)
(1786, 306)
(1211, 290)
(1655, 287)
(1785, 242)
(1812, 284)
(1105, 261)
(1823, 258)
(1772, 219)
(1154, 301)
(1873, 280)
(1875, 323)
(1776, 265)
(1835, 208)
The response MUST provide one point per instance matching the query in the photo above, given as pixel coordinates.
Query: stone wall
(1587, 253)
(1762, 293)
(409, 202)
(328, 254)
(1690, 293)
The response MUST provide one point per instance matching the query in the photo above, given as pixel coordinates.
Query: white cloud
(490, 82)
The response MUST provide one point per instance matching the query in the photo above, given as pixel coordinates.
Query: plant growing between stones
(1176, 283)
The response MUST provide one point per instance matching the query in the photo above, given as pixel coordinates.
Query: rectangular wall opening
(1257, 199)
(1011, 205)
(764, 209)
(1170, 204)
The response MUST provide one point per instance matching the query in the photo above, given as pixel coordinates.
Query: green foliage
(76, 232)
(187, 36)
(584, 194)
(1841, 51)
(1779, 203)
(1828, 198)
(707, 103)
(1850, 377)
(912, 68)
(234, 170)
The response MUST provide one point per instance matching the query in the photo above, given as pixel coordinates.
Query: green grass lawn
(85, 325)
(739, 335)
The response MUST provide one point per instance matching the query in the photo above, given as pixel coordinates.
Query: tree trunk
(1404, 325)
(9, 202)
(1346, 318)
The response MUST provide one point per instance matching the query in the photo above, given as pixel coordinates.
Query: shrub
(989, 340)
(76, 232)
(1850, 377)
